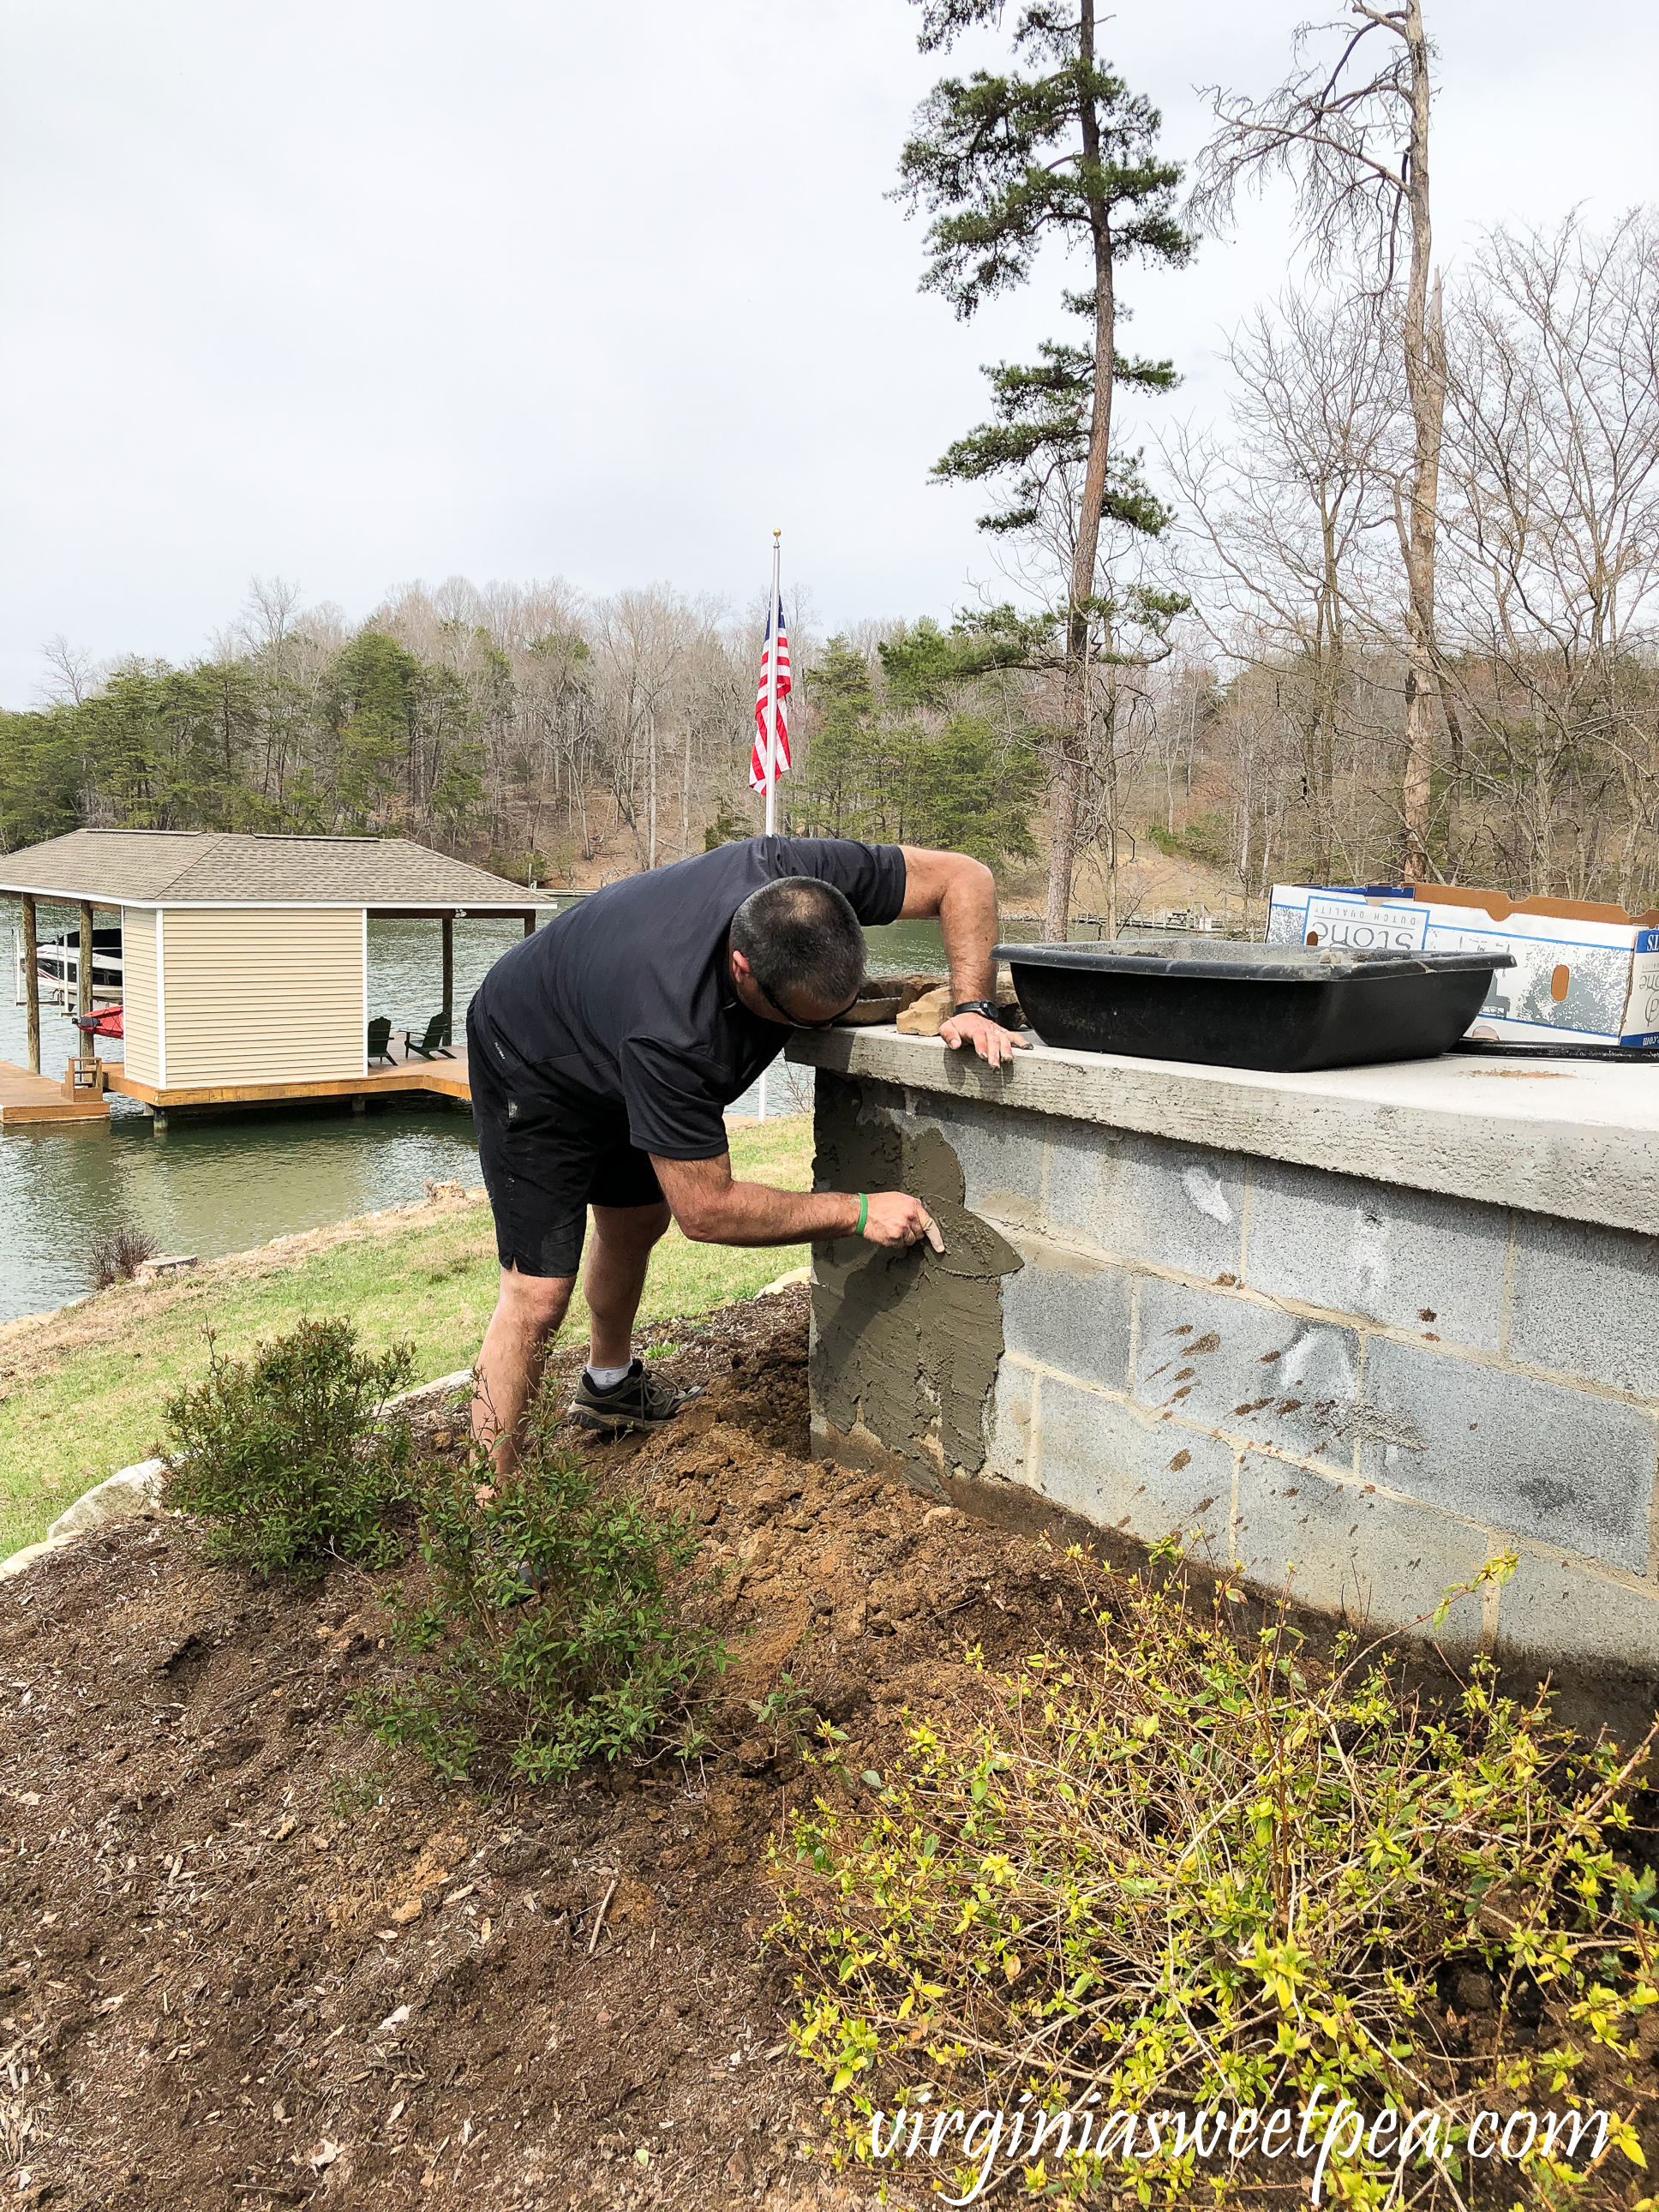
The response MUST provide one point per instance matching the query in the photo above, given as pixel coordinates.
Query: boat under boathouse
(243, 966)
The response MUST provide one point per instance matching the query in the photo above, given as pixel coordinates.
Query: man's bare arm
(711, 1208)
(962, 893)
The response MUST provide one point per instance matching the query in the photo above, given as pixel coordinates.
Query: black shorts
(549, 1151)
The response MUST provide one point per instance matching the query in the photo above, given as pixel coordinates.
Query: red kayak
(105, 1023)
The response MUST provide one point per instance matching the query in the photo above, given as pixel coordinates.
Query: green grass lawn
(81, 1396)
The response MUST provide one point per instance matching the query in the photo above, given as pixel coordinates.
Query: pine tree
(826, 802)
(1005, 164)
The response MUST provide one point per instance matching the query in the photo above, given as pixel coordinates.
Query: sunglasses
(777, 1006)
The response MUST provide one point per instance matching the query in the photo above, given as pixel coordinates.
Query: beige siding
(263, 994)
(141, 1026)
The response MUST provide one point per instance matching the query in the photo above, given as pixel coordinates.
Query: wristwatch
(976, 1007)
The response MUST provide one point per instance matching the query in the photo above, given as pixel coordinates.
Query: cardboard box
(1583, 974)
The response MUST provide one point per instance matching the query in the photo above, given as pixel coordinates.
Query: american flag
(774, 654)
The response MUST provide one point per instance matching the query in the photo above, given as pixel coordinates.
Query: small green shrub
(553, 1631)
(284, 1454)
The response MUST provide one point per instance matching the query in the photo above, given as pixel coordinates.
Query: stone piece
(131, 1490)
(17, 1563)
(172, 1263)
(425, 1395)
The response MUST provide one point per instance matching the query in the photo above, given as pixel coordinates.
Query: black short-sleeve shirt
(629, 995)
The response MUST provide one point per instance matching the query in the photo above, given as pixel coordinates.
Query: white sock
(606, 1378)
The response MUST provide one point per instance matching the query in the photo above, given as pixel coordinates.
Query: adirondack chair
(434, 1045)
(379, 1040)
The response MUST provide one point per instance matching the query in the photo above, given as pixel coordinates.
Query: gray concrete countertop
(1576, 1139)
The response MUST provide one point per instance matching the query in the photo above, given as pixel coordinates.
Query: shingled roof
(212, 867)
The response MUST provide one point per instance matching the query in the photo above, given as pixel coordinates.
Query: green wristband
(864, 1213)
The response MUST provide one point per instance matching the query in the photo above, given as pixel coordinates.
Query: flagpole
(771, 650)
(772, 613)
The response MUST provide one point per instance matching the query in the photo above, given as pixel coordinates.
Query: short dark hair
(800, 936)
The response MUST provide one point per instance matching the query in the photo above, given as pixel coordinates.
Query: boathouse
(245, 958)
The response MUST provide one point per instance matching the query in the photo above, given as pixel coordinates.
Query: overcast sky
(359, 291)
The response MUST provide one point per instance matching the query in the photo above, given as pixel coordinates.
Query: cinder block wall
(1363, 1389)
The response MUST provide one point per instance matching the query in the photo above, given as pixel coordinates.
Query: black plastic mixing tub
(1285, 1006)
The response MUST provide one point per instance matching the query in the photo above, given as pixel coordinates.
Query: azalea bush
(553, 1625)
(289, 1456)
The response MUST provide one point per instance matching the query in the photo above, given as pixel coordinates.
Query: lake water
(220, 1185)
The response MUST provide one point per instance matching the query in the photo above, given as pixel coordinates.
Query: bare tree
(644, 643)
(1355, 140)
(1281, 521)
(72, 675)
(1552, 552)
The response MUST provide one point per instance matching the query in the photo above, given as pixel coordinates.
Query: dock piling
(83, 965)
(31, 986)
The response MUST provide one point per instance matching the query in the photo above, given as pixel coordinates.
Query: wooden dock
(25, 1098)
(31, 1098)
(407, 1072)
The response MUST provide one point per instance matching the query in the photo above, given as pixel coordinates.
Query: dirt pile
(252, 1960)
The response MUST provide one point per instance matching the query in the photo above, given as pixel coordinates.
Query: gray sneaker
(640, 1401)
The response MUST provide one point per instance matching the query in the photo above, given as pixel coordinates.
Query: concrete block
(1001, 1154)
(1580, 1145)
(1180, 1206)
(1063, 1310)
(1408, 1258)
(1261, 1375)
(1342, 1547)
(1586, 1302)
(1540, 1459)
(851, 1122)
(1125, 1469)
(1556, 1612)
(1010, 1448)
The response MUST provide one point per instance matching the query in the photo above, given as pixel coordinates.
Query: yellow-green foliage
(82, 1395)
(1194, 1872)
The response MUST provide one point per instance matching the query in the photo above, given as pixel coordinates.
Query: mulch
(252, 1959)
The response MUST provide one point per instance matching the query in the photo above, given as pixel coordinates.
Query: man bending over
(603, 1051)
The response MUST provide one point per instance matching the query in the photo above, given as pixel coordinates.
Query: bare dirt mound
(253, 1960)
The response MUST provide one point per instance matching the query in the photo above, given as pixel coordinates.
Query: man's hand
(994, 1044)
(896, 1218)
